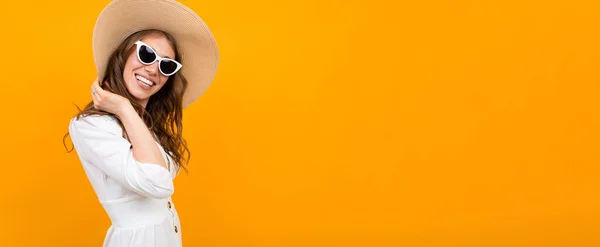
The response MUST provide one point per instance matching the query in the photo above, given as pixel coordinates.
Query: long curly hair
(163, 113)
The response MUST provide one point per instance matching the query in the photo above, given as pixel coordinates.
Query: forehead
(160, 44)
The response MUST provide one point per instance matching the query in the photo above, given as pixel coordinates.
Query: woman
(129, 138)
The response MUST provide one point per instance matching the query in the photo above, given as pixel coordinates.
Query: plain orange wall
(334, 123)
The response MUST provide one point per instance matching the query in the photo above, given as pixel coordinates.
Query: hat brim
(121, 18)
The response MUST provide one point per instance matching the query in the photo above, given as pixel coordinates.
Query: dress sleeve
(113, 155)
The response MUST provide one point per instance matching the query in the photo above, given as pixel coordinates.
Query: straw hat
(121, 18)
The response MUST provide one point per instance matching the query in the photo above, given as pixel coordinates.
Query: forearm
(145, 149)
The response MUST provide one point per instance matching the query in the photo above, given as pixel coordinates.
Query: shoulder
(106, 123)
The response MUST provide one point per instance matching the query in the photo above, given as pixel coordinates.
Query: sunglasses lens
(168, 67)
(146, 54)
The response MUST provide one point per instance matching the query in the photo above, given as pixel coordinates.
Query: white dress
(136, 196)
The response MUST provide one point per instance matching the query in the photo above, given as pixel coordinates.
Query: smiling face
(142, 81)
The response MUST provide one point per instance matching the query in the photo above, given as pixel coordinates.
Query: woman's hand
(107, 101)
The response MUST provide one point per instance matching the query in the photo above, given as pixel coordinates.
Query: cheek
(130, 65)
(163, 80)
(132, 62)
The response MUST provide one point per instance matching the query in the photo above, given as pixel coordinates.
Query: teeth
(144, 80)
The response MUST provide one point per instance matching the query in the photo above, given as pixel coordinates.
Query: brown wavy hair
(163, 113)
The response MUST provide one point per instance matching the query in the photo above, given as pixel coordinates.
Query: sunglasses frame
(158, 58)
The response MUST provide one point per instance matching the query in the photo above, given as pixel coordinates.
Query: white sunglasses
(148, 56)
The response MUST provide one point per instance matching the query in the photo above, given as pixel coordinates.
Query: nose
(152, 68)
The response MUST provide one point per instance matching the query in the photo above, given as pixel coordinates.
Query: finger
(97, 86)
(93, 88)
(96, 98)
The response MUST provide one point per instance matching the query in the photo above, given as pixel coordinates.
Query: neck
(143, 102)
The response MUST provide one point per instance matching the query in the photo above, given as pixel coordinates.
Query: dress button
(169, 204)
(175, 229)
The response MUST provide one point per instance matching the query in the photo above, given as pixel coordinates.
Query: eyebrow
(157, 52)
(165, 56)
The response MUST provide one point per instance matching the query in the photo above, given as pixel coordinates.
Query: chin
(140, 98)
(137, 95)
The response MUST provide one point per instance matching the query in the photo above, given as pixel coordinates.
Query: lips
(145, 80)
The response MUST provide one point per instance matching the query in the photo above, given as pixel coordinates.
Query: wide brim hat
(121, 18)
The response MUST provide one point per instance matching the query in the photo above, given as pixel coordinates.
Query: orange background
(334, 123)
